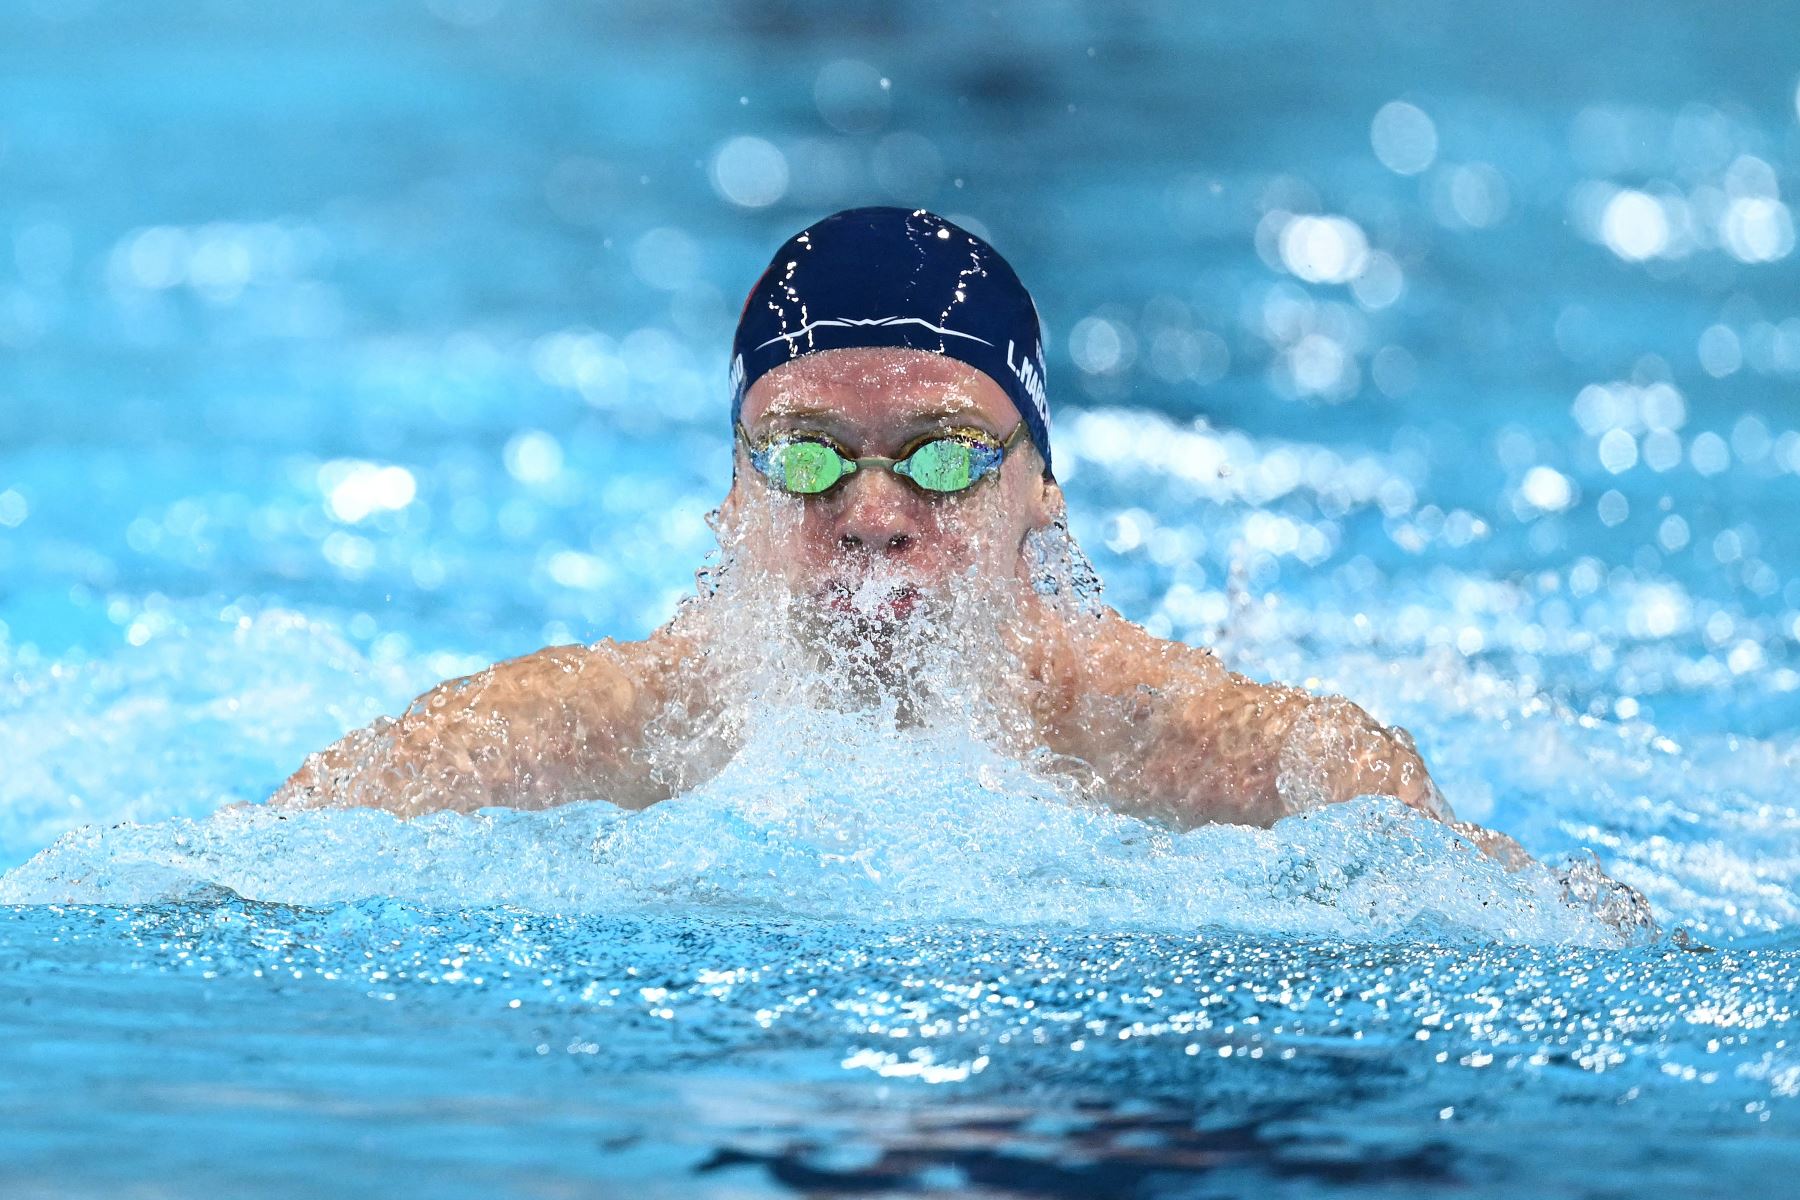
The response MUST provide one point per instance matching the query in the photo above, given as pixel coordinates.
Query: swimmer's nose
(878, 514)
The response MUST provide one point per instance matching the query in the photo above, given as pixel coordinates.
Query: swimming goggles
(810, 464)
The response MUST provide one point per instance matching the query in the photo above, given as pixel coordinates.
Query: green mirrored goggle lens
(944, 465)
(807, 467)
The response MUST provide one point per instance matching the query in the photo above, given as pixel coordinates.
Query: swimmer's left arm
(1272, 751)
(1387, 762)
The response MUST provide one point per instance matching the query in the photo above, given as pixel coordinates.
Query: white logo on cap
(847, 322)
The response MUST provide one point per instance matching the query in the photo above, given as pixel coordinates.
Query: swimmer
(893, 537)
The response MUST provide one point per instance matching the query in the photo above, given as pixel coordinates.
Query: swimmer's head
(869, 277)
(874, 330)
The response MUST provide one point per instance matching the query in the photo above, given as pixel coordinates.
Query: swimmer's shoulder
(609, 674)
(1257, 750)
(1133, 657)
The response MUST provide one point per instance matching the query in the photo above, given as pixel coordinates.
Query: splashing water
(824, 814)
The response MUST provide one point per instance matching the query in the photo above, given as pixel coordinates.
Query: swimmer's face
(876, 524)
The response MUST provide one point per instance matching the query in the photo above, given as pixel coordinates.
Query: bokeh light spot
(1634, 226)
(1324, 249)
(1404, 138)
(750, 172)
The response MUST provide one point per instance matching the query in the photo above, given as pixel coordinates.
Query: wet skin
(1156, 728)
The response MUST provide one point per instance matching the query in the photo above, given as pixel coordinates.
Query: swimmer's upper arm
(1325, 750)
(526, 732)
(1362, 757)
(1336, 751)
(1268, 751)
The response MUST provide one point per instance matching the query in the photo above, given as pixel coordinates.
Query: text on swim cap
(1032, 377)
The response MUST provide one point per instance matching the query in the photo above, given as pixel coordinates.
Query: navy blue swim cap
(893, 277)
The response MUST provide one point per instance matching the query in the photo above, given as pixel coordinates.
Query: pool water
(1442, 359)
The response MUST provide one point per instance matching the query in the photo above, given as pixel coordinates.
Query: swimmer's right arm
(552, 726)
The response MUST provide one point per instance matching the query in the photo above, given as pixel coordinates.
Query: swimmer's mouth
(896, 603)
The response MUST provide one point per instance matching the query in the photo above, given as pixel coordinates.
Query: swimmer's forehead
(856, 388)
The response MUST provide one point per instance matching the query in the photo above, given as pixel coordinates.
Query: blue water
(1443, 359)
